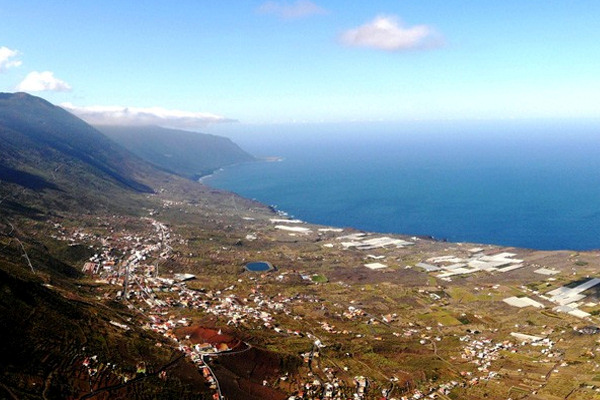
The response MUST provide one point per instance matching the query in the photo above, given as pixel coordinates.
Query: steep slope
(32, 121)
(56, 339)
(43, 148)
(185, 153)
(60, 339)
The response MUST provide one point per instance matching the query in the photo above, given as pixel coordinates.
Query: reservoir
(260, 266)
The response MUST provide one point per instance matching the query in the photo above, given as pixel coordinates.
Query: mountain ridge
(29, 124)
(52, 160)
(185, 153)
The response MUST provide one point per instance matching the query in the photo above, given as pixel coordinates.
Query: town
(288, 305)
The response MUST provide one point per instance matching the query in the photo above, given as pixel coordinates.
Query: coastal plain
(406, 329)
(409, 333)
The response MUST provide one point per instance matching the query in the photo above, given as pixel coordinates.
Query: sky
(224, 65)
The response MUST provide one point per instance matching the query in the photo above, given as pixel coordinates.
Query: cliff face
(52, 161)
(189, 154)
(36, 134)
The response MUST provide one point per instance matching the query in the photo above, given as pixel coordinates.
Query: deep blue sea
(526, 185)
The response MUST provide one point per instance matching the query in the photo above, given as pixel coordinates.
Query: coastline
(204, 177)
(201, 178)
(319, 192)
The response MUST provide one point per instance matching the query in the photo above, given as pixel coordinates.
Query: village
(128, 266)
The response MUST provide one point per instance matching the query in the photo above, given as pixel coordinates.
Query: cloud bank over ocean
(120, 115)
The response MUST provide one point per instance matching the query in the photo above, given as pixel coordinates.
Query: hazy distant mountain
(189, 154)
(45, 148)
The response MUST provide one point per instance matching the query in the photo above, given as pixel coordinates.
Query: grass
(461, 294)
(443, 317)
(319, 278)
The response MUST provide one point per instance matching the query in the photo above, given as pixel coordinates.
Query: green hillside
(189, 154)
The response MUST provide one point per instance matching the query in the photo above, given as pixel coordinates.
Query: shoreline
(427, 236)
(201, 178)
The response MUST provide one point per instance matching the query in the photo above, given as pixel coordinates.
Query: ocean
(531, 185)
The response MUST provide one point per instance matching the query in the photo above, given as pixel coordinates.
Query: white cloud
(297, 9)
(41, 82)
(119, 115)
(388, 33)
(6, 58)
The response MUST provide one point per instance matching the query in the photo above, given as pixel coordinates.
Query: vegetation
(399, 327)
(189, 154)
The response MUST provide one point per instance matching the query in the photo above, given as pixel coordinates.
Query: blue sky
(196, 64)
